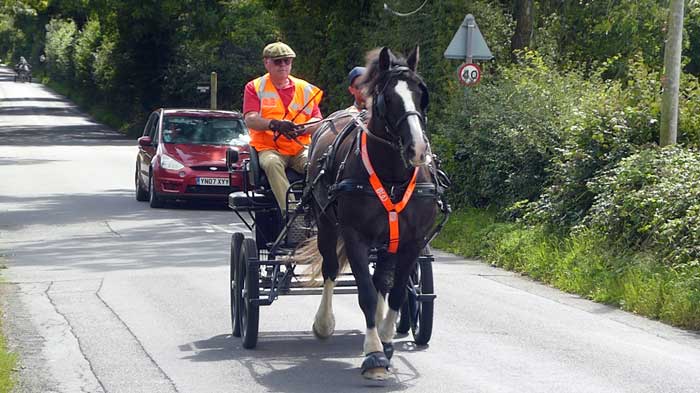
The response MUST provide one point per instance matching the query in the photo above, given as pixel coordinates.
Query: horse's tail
(307, 254)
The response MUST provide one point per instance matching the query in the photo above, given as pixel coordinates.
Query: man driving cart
(274, 105)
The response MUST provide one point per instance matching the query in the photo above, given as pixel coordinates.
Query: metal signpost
(468, 44)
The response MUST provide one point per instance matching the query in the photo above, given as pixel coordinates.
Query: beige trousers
(274, 163)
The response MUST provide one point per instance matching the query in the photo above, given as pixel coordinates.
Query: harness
(329, 182)
(392, 209)
(392, 200)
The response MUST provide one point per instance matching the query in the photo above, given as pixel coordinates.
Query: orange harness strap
(391, 208)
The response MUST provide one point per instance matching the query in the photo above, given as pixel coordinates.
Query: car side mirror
(231, 158)
(145, 141)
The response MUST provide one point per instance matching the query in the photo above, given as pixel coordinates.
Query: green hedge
(584, 263)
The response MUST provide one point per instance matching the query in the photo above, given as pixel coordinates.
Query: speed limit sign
(469, 74)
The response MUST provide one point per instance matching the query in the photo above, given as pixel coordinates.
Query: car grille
(207, 168)
(210, 190)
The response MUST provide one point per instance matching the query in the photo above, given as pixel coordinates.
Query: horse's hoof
(377, 374)
(325, 332)
(388, 350)
(376, 367)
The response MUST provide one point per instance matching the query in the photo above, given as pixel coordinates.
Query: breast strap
(392, 209)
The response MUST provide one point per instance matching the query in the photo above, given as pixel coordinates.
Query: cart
(262, 266)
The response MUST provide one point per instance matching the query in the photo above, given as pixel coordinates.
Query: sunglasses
(279, 62)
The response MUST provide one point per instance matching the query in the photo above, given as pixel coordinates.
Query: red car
(182, 155)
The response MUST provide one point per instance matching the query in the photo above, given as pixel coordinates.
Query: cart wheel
(422, 312)
(236, 243)
(249, 278)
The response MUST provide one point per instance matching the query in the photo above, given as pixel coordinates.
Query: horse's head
(399, 103)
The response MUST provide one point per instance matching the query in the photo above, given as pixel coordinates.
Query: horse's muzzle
(418, 153)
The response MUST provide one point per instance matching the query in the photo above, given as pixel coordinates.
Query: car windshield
(202, 130)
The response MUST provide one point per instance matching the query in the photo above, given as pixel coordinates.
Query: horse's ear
(384, 59)
(412, 60)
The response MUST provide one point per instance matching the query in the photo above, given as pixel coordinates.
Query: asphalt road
(103, 294)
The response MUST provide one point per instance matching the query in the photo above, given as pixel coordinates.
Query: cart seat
(259, 196)
(258, 179)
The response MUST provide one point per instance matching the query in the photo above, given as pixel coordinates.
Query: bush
(612, 120)
(60, 37)
(501, 138)
(84, 56)
(651, 200)
(103, 69)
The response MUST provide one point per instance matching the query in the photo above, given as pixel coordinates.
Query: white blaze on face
(413, 122)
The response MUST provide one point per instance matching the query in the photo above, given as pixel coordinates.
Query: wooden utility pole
(671, 77)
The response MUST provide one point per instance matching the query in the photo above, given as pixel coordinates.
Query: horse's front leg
(376, 365)
(324, 321)
(383, 279)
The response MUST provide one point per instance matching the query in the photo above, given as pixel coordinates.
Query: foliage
(467, 238)
(591, 31)
(502, 135)
(60, 36)
(103, 69)
(85, 52)
(651, 200)
(609, 122)
(585, 263)
(8, 362)
(231, 45)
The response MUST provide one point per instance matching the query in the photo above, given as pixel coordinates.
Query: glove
(284, 127)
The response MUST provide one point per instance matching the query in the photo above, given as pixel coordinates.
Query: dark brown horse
(365, 179)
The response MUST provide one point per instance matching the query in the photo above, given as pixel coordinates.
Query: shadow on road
(33, 115)
(298, 362)
(112, 231)
(56, 135)
(42, 99)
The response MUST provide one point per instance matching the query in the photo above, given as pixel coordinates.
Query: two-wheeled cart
(262, 266)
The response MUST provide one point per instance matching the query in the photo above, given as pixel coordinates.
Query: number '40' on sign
(469, 74)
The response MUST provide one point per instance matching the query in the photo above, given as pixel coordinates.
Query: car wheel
(141, 194)
(153, 198)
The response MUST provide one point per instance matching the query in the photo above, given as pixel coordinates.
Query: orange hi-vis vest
(271, 107)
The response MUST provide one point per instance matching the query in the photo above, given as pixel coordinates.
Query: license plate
(212, 181)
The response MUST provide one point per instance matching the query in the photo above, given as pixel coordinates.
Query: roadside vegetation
(8, 360)
(554, 156)
(8, 363)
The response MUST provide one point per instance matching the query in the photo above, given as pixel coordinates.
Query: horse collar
(392, 209)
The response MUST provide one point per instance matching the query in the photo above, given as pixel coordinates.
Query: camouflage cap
(278, 50)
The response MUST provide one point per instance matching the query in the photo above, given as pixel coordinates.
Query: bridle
(379, 109)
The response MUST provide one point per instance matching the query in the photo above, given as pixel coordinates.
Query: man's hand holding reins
(286, 128)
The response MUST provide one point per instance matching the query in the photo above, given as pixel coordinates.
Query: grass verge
(8, 361)
(583, 264)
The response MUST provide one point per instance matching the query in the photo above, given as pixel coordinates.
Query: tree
(524, 21)
(671, 76)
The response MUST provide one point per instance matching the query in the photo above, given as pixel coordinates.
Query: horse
(363, 177)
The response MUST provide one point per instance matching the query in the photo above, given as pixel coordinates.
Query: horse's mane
(373, 79)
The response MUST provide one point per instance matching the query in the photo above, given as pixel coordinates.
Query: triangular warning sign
(458, 46)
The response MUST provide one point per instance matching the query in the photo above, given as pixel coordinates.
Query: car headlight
(167, 162)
